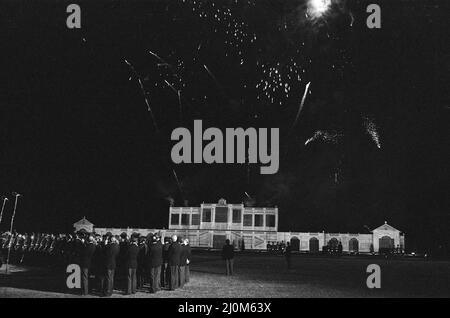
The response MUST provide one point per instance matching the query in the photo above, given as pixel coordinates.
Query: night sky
(370, 144)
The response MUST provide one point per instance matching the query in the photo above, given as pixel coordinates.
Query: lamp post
(3, 208)
(16, 195)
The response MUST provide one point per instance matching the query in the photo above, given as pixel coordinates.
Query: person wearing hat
(141, 268)
(122, 270)
(97, 263)
(228, 256)
(165, 270)
(174, 256)
(111, 253)
(87, 251)
(131, 265)
(183, 263)
(186, 252)
(154, 263)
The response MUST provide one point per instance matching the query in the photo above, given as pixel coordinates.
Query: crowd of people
(107, 262)
(33, 249)
(276, 247)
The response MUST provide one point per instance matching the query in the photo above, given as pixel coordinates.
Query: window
(175, 219)
(270, 220)
(184, 219)
(206, 215)
(248, 220)
(195, 219)
(221, 214)
(237, 216)
(259, 220)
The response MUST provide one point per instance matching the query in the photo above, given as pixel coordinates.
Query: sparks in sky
(372, 129)
(325, 136)
(316, 8)
(144, 93)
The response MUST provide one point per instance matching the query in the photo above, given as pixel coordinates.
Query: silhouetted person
(121, 272)
(228, 256)
(141, 268)
(154, 262)
(97, 264)
(111, 253)
(187, 256)
(288, 254)
(174, 256)
(131, 265)
(183, 263)
(165, 270)
(86, 254)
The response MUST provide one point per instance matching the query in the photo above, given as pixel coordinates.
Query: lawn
(263, 275)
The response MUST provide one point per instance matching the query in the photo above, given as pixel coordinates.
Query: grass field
(262, 275)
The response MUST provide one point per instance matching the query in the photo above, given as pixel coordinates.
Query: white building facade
(253, 228)
(211, 224)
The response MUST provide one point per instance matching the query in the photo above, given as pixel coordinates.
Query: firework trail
(212, 76)
(313, 138)
(151, 113)
(177, 180)
(222, 90)
(159, 58)
(181, 106)
(301, 106)
(178, 93)
(144, 93)
(163, 62)
(171, 86)
(325, 136)
(371, 129)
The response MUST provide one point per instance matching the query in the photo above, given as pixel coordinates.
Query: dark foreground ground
(262, 275)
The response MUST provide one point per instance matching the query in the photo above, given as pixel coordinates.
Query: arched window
(295, 243)
(386, 243)
(313, 245)
(353, 246)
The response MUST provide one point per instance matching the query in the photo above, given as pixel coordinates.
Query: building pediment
(83, 222)
(386, 227)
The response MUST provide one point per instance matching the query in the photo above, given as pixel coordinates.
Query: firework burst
(372, 129)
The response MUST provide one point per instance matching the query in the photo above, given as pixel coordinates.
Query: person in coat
(183, 263)
(174, 255)
(165, 269)
(154, 264)
(86, 254)
(288, 255)
(112, 250)
(131, 263)
(187, 255)
(141, 272)
(228, 256)
(97, 264)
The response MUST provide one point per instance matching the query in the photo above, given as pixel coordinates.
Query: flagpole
(17, 195)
